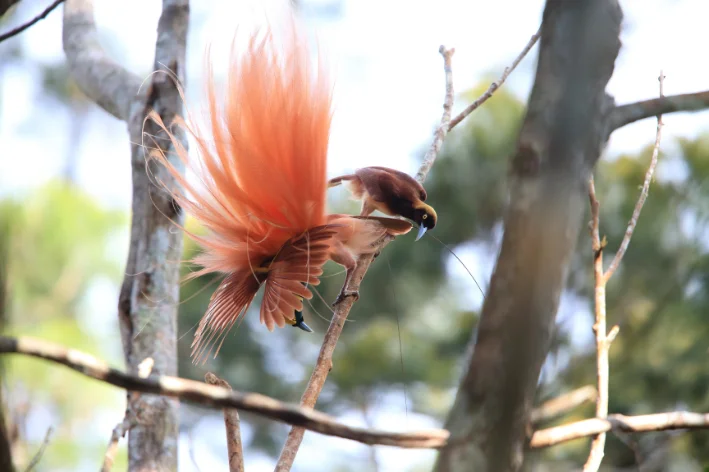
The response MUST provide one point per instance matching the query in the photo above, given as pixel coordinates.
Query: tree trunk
(562, 137)
(147, 306)
(149, 297)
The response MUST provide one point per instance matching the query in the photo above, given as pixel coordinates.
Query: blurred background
(64, 213)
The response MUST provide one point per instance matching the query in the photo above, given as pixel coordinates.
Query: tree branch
(219, 398)
(342, 309)
(235, 450)
(43, 447)
(621, 423)
(561, 139)
(625, 114)
(601, 278)
(103, 80)
(149, 295)
(563, 403)
(643, 195)
(36, 19)
(444, 126)
(216, 397)
(496, 85)
(147, 306)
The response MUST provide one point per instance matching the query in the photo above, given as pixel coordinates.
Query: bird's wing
(383, 183)
(229, 302)
(299, 262)
(393, 226)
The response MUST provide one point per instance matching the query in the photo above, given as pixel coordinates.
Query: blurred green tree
(57, 249)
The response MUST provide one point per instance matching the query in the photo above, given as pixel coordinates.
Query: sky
(389, 93)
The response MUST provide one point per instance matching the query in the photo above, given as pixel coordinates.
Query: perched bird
(261, 189)
(392, 192)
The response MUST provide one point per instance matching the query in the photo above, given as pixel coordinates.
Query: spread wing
(229, 302)
(383, 184)
(300, 262)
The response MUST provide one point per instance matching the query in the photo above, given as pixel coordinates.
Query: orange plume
(262, 191)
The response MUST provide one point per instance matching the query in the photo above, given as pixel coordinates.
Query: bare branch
(563, 403)
(643, 195)
(603, 339)
(145, 368)
(602, 342)
(38, 457)
(36, 19)
(233, 428)
(443, 127)
(217, 397)
(625, 114)
(147, 303)
(620, 423)
(104, 81)
(342, 309)
(118, 432)
(496, 85)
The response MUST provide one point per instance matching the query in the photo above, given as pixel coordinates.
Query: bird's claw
(344, 294)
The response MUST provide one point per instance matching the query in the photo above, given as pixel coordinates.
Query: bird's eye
(424, 216)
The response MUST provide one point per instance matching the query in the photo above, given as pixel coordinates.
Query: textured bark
(147, 306)
(562, 137)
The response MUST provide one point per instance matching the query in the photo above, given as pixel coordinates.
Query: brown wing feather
(229, 302)
(299, 262)
(385, 185)
(399, 183)
(394, 226)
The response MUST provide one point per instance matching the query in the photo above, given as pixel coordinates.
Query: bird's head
(424, 216)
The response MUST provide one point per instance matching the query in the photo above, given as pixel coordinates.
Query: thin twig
(36, 19)
(563, 403)
(342, 309)
(599, 328)
(627, 424)
(601, 278)
(233, 428)
(443, 127)
(145, 368)
(643, 194)
(118, 432)
(37, 457)
(496, 85)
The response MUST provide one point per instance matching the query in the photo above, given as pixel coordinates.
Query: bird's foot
(344, 294)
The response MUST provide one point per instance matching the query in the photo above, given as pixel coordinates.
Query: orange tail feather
(261, 178)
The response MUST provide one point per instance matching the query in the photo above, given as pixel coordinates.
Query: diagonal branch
(103, 80)
(496, 85)
(625, 114)
(641, 199)
(36, 19)
(342, 309)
